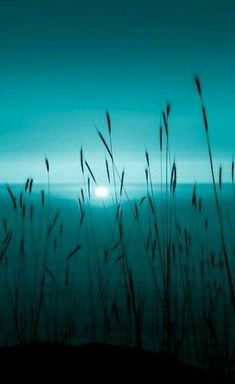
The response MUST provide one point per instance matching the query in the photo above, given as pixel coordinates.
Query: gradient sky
(65, 62)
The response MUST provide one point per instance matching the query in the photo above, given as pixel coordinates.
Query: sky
(64, 63)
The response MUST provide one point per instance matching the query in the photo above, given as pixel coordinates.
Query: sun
(101, 192)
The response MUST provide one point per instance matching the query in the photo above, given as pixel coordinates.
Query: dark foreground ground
(98, 362)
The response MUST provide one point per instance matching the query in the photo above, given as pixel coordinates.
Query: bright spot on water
(101, 192)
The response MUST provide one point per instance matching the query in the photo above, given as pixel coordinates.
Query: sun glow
(101, 192)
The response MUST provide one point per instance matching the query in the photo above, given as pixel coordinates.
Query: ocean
(143, 266)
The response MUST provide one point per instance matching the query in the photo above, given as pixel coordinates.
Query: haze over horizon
(64, 63)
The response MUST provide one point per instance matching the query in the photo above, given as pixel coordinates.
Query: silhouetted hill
(98, 361)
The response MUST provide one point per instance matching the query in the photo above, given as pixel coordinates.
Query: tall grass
(218, 208)
(152, 278)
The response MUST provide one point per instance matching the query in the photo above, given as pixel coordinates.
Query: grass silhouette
(184, 299)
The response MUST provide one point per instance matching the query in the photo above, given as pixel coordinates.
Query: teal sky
(65, 62)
